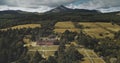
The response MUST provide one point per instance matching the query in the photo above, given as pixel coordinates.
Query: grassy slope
(23, 26)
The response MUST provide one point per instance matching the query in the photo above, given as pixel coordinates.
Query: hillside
(83, 35)
(23, 26)
(60, 13)
(62, 8)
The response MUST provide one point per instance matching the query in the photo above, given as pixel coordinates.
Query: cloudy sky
(45, 5)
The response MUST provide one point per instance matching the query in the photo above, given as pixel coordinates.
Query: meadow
(61, 27)
(99, 29)
(23, 26)
(110, 26)
(45, 50)
(93, 29)
(90, 56)
(64, 25)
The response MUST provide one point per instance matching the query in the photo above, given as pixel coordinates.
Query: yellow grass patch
(98, 60)
(63, 30)
(61, 27)
(86, 60)
(24, 26)
(45, 50)
(110, 26)
(90, 56)
(94, 30)
(64, 25)
(88, 24)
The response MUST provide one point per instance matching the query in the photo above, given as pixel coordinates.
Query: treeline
(81, 38)
(82, 17)
(7, 20)
(12, 44)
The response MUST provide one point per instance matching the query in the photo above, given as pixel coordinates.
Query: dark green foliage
(51, 59)
(117, 35)
(36, 58)
(11, 44)
(43, 61)
(25, 59)
(11, 47)
(108, 48)
(69, 55)
(11, 41)
(17, 18)
(86, 40)
(69, 36)
(72, 55)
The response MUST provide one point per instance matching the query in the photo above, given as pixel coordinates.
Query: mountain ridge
(62, 8)
(58, 9)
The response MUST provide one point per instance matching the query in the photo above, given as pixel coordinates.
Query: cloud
(32, 5)
(45, 5)
(111, 9)
(40, 9)
(102, 5)
(35, 3)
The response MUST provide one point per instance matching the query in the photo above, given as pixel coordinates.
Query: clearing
(99, 29)
(90, 56)
(61, 27)
(45, 50)
(23, 26)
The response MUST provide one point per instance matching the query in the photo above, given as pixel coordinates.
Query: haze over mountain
(46, 5)
(64, 9)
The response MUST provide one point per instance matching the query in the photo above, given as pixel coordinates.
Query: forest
(12, 48)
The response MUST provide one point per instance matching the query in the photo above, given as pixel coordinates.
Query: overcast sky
(45, 5)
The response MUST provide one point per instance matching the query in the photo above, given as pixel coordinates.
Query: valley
(61, 35)
(96, 30)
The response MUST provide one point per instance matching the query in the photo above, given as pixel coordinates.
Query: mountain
(16, 12)
(59, 9)
(9, 12)
(60, 13)
(62, 8)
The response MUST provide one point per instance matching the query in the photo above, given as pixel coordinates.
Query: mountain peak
(58, 9)
(62, 8)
